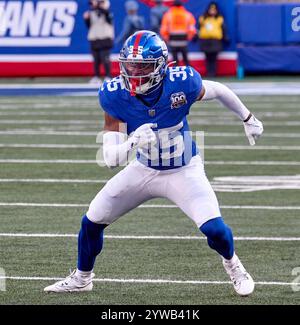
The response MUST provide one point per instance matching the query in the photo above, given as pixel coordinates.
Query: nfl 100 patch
(178, 100)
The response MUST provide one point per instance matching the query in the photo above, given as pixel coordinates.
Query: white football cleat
(242, 281)
(72, 283)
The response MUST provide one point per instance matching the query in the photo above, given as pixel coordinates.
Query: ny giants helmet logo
(178, 100)
(139, 50)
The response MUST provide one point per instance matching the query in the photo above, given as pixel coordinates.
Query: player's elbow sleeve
(220, 92)
(213, 90)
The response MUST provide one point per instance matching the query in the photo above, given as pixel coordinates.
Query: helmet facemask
(141, 75)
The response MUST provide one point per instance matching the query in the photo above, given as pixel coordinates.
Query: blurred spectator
(156, 15)
(212, 33)
(177, 29)
(99, 21)
(132, 22)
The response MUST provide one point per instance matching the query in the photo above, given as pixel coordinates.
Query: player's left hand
(253, 129)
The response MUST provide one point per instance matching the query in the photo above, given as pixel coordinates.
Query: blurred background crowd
(84, 37)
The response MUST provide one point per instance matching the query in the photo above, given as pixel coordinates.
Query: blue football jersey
(180, 89)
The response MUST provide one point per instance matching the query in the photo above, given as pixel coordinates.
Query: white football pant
(187, 187)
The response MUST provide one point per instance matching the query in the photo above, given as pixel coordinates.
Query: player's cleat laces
(242, 281)
(72, 283)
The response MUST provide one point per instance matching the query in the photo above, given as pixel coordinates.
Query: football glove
(143, 136)
(253, 129)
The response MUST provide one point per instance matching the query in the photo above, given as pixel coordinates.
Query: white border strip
(245, 88)
(46, 58)
(56, 86)
(34, 41)
(88, 58)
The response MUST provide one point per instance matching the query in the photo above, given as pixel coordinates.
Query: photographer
(99, 21)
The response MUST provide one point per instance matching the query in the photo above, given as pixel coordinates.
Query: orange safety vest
(178, 21)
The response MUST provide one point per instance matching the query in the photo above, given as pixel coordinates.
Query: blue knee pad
(219, 237)
(90, 243)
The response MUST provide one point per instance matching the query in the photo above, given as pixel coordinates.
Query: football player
(150, 102)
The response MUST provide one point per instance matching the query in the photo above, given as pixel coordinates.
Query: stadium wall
(268, 37)
(48, 38)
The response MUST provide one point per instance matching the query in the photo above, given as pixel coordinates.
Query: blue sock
(90, 243)
(219, 237)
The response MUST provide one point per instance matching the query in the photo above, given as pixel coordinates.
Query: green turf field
(44, 191)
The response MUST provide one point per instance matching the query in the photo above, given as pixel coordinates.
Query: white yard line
(49, 132)
(52, 180)
(48, 205)
(137, 237)
(94, 134)
(48, 161)
(51, 122)
(219, 181)
(217, 162)
(213, 113)
(193, 121)
(220, 122)
(220, 184)
(250, 180)
(64, 107)
(97, 146)
(270, 101)
(253, 163)
(239, 147)
(50, 146)
(142, 281)
(255, 183)
(73, 105)
(240, 134)
(147, 206)
(74, 114)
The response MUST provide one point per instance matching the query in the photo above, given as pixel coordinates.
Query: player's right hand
(143, 135)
